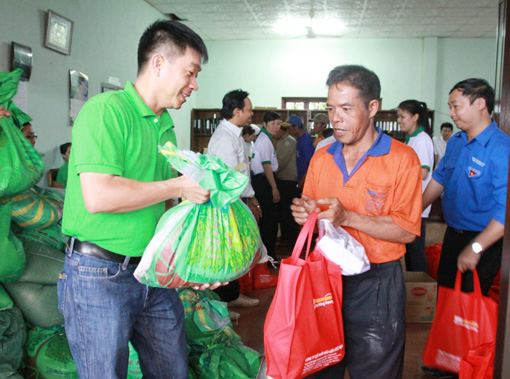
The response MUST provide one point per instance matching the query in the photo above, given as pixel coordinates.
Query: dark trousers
(229, 292)
(488, 266)
(288, 226)
(374, 325)
(416, 259)
(268, 223)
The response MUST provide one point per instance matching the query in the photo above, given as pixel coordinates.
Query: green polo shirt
(62, 174)
(116, 133)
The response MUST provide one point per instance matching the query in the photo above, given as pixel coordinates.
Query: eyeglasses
(31, 136)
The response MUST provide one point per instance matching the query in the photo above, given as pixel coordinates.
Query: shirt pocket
(375, 197)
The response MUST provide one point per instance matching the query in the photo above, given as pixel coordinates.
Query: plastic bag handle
(306, 234)
(476, 283)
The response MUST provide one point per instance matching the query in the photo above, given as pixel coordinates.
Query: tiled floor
(251, 324)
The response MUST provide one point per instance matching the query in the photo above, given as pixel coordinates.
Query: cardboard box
(421, 297)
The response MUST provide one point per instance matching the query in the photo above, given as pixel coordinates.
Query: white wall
(106, 34)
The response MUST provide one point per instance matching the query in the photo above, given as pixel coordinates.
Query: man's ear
(373, 107)
(480, 103)
(156, 63)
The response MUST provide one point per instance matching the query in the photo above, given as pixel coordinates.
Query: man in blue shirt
(304, 147)
(473, 175)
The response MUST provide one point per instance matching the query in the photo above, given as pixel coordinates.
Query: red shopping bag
(462, 321)
(303, 331)
(433, 253)
(478, 363)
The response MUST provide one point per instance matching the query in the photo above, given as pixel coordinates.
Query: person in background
(320, 122)
(65, 151)
(228, 144)
(440, 141)
(413, 118)
(382, 212)
(263, 166)
(328, 138)
(117, 187)
(304, 148)
(473, 177)
(286, 181)
(249, 136)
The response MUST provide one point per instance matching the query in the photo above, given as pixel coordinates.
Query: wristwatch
(477, 248)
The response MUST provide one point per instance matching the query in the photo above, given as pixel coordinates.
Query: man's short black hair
(63, 147)
(172, 36)
(232, 100)
(475, 88)
(366, 81)
(447, 125)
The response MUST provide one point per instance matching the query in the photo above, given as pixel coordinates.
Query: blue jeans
(104, 307)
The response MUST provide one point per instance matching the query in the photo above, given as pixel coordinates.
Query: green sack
(51, 236)
(35, 293)
(37, 208)
(20, 164)
(48, 354)
(12, 255)
(217, 241)
(5, 300)
(12, 338)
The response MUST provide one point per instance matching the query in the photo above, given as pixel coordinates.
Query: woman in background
(413, 118)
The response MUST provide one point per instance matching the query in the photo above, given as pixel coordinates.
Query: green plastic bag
(48, 354)
(12, 255)
(37, 208)
(215, 350)
(217, 241)
(20, 164)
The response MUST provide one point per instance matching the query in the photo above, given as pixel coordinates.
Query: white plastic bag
(341, 248)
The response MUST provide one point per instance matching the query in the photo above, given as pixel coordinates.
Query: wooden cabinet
(205, 120)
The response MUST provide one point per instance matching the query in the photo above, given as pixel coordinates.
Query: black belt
(91, 249)
(459, 231)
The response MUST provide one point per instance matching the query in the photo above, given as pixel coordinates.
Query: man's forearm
(380, 227)
(104, 193)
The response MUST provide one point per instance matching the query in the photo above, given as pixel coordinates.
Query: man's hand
(334, 211)
(276, 195)
(4, 112)
(302, 207)
(254, 206)
(211, 286)
(468, 259)
(192, 191)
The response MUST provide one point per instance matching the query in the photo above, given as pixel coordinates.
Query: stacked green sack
(12, 255)
(218, 241)
(12, 337)
(48, 354)
(35, 293)
(37, 208)
(20, 164)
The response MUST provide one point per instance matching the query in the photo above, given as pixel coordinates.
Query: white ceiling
(253, 19)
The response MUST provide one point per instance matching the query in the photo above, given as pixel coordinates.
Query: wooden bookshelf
(205, 120)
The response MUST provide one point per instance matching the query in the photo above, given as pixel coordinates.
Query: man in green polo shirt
(116, 191)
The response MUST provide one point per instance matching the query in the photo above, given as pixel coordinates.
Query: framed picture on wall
(21, 57)
(59, 33)
(105, 87)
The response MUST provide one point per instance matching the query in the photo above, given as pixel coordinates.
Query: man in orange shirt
(369, 184)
